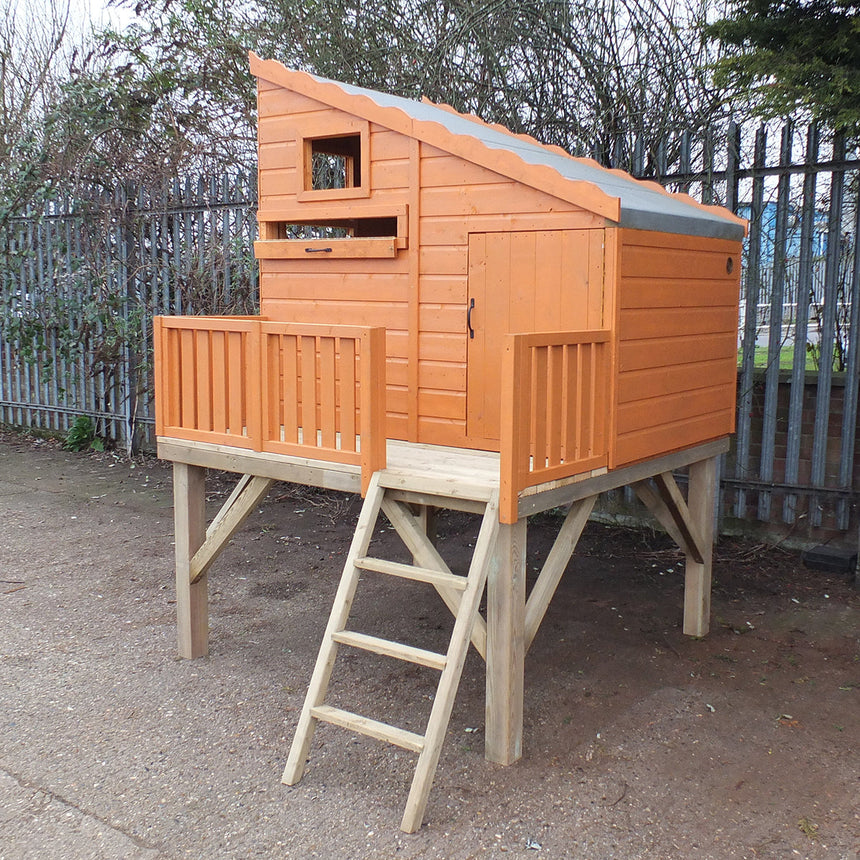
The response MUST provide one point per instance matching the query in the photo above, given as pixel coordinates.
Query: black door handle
(469, 318)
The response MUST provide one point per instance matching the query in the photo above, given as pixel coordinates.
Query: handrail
(313, 391)
(554, 410)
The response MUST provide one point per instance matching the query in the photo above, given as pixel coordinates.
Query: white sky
(83, 13)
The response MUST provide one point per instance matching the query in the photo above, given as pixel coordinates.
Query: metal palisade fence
(81, 278)
(794, 461)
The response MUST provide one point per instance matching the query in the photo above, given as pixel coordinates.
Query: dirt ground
(639, 742)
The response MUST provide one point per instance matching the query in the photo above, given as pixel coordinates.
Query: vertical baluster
(327, 383)
(557, 388)
(220, 389)
(235, 369)
(188, 369)
(203, 381)
(309, 391)
(290, 387)
(346, 374)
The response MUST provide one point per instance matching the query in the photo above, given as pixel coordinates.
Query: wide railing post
(158, 356)
(516, 395)
(373, 409)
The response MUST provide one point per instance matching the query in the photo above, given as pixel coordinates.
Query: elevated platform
(416, 480)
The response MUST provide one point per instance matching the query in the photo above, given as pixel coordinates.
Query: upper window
(334, 166)
(335, 162)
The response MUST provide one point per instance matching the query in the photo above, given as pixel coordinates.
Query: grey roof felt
(641, 207)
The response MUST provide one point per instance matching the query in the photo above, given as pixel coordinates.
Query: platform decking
(465, 477)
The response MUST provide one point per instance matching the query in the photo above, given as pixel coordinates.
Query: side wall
(420, 295)
(676, 356)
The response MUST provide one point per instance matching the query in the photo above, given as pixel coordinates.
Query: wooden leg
(697, 583)
(426, 517)
(189, 517)
(506, 593)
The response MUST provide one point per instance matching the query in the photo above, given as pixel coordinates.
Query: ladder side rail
(337, 621)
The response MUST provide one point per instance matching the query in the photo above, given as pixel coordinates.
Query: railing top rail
(561, 338)
(209, 323)
(247, 323)
(316, 330)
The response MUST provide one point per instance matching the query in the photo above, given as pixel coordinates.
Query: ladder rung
(372, 728)
(391, 649)
(410, 571)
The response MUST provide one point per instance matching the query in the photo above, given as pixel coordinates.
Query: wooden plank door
(550, 280)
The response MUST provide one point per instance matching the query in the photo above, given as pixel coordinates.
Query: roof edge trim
(542, 178)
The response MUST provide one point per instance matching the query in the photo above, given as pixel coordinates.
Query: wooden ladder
(461, 593)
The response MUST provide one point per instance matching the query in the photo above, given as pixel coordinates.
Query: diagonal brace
(692, 541)
(659, 509)
(248, 492)
(426, 555)
(555, 564)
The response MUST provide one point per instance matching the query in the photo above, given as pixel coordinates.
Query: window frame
(325, 130)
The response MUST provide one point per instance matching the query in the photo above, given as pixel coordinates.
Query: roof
(614, 194)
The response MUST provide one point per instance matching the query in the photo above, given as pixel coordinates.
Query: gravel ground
(639, 742)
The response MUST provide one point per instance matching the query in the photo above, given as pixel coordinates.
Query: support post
(697, 581)
(506, 601)
(427, 519)
(189, 518)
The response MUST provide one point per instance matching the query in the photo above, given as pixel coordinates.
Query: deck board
(432, 469)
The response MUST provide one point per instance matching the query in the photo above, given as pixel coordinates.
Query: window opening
(335, 162)
(366, 228)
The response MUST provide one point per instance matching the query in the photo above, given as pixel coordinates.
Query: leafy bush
(82, 436)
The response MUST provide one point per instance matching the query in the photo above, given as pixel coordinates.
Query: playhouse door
(550, 280)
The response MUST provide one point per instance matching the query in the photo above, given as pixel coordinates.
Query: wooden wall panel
(455, 229)
(335, 312)
(438, 317)
(654, 381)
(491, 199)
(444, 289)
(459, 198)
(350, 287)
(450, 171)
(389, 175)
(274, 100)
(673, 436)
(442, 431)
(335, 268)
(636, 355)
(387, 145)
(677, 343)
(447, 376)
(658, 323)
(422, 293)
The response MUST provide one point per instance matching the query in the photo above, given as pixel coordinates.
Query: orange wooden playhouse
(452, 316)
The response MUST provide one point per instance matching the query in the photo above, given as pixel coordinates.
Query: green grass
(786, 358)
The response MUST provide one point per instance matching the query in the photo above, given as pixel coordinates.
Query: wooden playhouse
(452, 316)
